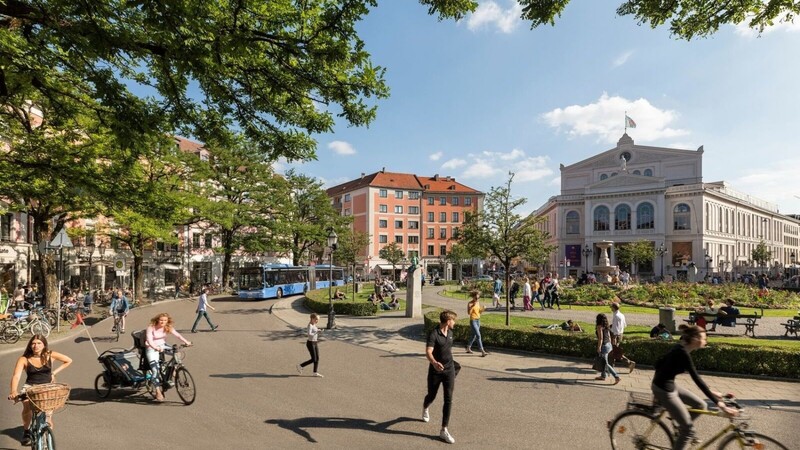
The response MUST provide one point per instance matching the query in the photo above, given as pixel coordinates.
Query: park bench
(792, 326)
(750, 320)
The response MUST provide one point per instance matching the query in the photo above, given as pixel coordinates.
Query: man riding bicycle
(119, 307)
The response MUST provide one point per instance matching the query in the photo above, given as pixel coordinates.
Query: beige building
(633, 192)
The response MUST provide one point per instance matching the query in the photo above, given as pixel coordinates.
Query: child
(311, 345)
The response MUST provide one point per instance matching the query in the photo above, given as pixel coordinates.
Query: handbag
(599, 363)
(617, 353)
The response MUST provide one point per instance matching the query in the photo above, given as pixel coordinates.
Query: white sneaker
(426, 415)
(318, 375)
(299, 369)
(445, 435)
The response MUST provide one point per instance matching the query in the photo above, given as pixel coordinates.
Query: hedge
(317, 301)
(726, 358)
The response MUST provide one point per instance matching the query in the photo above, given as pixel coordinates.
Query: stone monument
(414, 291)
(604, 269)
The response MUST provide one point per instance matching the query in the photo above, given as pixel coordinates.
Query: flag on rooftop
(629, 123)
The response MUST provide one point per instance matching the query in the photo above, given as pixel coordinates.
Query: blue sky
(477, 98)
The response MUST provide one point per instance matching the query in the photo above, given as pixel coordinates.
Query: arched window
(601, 218)
(603, 177)
(648, 172)
(681, 217)
(613, 174)
(637, 172)
(622, 217)
(573, 222)
(645, 219)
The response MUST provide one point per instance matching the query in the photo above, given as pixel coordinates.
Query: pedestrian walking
(617, 329)
(603, 334)
(497, 289)
(513, 291)
(37, 363)
(551, 294)
(202, 304)
(88, 301)
(442, 370)
(527, 292)
(474, 309)
(311, 345)
(538, 293)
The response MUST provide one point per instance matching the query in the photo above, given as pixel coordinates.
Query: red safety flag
(78, 321)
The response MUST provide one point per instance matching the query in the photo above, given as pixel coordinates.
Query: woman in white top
(311, 345)
(527, 293)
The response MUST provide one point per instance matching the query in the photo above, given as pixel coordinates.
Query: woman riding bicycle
(156, 342)
(674, 398)
(37, 362)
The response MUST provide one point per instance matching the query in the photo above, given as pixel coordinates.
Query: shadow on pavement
(88, 397)
(532, 380)
(783, 405)
(251, 375)
(300, 426)
(553, 369)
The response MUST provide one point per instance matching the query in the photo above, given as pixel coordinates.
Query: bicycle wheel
(117, 325)
(40, 327)
(11, 334)
(750, 440)
(639, 430)
(46, 440)
(102, 386)
(51, 317)
(184, 384)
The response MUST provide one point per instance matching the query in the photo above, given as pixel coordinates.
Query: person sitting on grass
(660, 332)
(569, 325)
(395, 303)
(373, 299)
(384, 306)
(338, 295)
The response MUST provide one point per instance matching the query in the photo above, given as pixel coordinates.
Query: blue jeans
(604, 351)
(200, 315)
(475, 325)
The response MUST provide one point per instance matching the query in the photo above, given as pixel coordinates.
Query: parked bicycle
(120, 372)
(23, 321)
(45, 399)
(641, 426)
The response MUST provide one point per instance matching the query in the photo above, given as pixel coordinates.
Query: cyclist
(674, 398)
(156, 342)
(37, 362)
(119, 307)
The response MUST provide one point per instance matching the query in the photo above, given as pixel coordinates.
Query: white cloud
(742, 28)
(489, 164)
(490, 14)
(454, 163)
(771, 182)
(605, 120)
(622, 59)
(436, 156)
(342, 148)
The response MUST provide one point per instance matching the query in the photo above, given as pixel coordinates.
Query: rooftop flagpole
(626, 122)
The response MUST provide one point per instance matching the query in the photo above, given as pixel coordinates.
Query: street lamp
(708, 262)
(90, 244)
(661, 250)
(333, 239)
(587, 252)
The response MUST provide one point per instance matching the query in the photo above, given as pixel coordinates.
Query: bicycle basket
(48, 397)
(642, 401)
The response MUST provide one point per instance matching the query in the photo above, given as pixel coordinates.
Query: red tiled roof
(437, 183)
(394, 180)
(187, 145)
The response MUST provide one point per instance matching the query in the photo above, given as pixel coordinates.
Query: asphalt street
(250, 396)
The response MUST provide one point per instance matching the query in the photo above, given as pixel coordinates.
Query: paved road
(251, 397)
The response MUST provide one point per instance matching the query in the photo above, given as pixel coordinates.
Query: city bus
(277, 280)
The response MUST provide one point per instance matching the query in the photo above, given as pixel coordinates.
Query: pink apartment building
(421, 214)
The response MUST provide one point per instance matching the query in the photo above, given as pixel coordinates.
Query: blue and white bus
(278, 280)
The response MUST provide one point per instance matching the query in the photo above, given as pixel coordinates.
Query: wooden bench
(792, 326)
(750, 322)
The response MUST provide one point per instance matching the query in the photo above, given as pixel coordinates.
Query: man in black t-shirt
(441, 370)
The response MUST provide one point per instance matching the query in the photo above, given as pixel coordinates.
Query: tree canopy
(761, 254)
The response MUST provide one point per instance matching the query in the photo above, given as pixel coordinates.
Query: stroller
(128, 369)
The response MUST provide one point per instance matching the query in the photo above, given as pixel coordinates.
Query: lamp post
(90, 244)
(102, 249)
(333, 239)
(587, 252)
(661, 250)
(708, 262)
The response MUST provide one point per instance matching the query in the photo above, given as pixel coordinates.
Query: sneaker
(318, 375)
(617, 380)
(446, 436)
(194, 331)
(426, 415)
(122, 330)
(631, 366)
(214, 328)
(469, 350)
(299, 369)
(26, 437)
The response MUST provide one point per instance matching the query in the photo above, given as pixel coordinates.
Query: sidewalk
(394, 333)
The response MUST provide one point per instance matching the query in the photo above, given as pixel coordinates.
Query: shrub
(317, 301)
(727, 358)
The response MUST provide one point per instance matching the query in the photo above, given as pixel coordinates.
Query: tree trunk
(43, 232)
(137, 249)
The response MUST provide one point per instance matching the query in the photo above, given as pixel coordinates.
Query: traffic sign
(119, 265)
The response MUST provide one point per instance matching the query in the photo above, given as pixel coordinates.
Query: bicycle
(44, 399)
(13, 330)
(640, 426)
(117, 328)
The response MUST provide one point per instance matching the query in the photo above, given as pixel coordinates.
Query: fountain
(604, 269)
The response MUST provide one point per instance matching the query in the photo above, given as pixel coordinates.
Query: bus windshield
(250, 278)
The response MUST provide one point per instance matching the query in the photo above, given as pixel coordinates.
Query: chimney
(383, 169)
(436, 177)
(363, 175)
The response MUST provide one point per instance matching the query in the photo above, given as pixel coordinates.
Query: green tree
(242, 194)
(351, 249)
(761, 254)
(500, 232)
(304, 223)
(458, 253)
(635, 253)
(393, 254)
